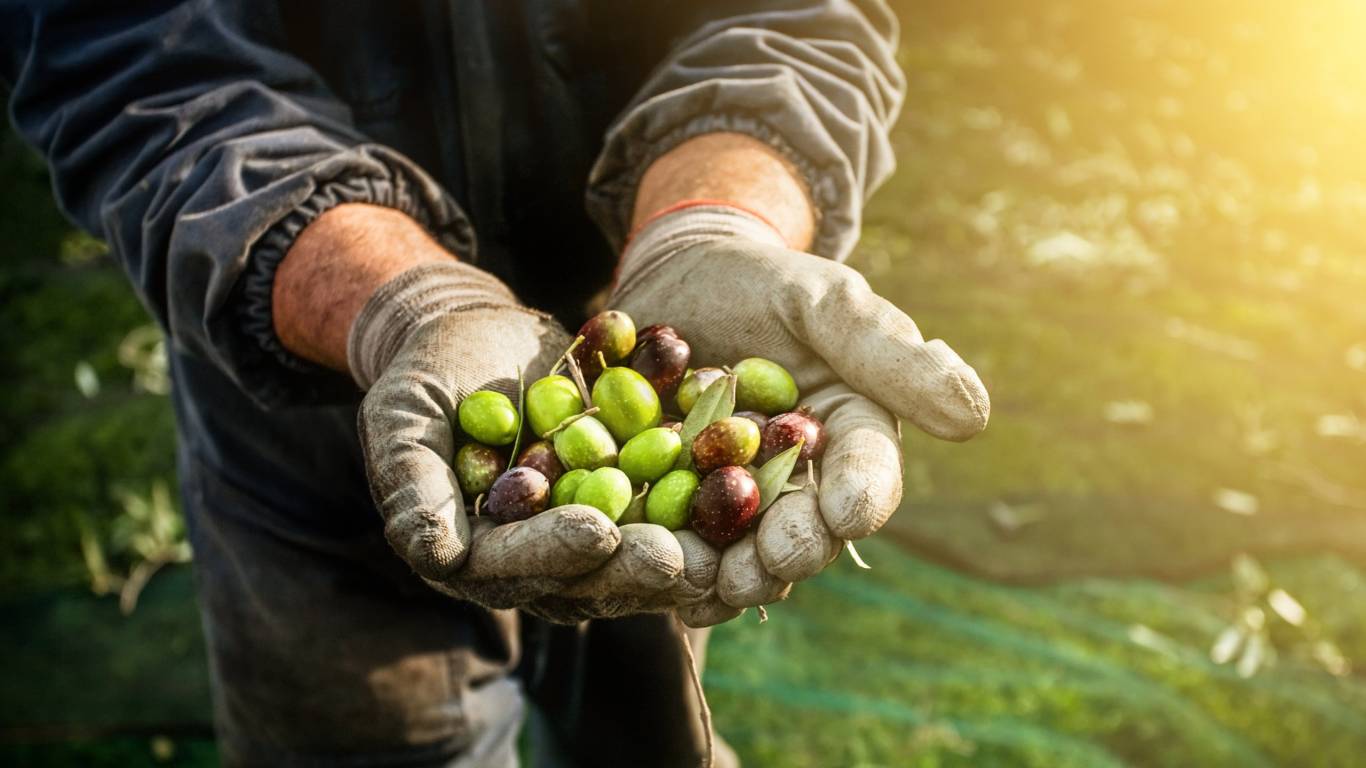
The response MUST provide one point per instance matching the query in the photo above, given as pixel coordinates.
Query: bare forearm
(333, 267)
(735, 168)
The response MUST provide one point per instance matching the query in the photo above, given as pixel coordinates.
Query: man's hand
(731, 285)
(424, 331)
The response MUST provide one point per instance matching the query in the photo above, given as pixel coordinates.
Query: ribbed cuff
(675, 232)
(364, 174)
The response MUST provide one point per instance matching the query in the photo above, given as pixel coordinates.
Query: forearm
(735, 168)
(333, 267)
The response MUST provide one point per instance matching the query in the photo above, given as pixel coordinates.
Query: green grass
(1207, 152)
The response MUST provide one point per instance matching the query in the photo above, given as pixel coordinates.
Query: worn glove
(726, 280)
(424, 341)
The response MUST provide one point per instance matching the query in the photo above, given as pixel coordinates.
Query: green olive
(489, 417)
(585, 444)
(647, 456)
(764, 386)
(566, 486)
(476, 467)
(607, 489)
(694, 384)
(671, 498)
(550, 401)
(626, 402)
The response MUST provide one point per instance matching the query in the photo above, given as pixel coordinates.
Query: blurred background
(1139, 220)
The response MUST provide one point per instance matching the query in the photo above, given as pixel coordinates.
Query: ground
(1137, 220)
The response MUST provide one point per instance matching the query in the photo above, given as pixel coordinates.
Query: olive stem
(576, 373)
(849, 546)
(521, 412)
(478, 501)
(811, 475)
(560, 361)
(568, 420)
(763, 613)
(602, 360)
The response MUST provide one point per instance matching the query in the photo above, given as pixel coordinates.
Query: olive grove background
(1140, 221)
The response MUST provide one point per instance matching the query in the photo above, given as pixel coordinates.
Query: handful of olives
(602, 435)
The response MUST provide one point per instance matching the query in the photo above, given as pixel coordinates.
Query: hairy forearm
(333, 267)
(735, 168)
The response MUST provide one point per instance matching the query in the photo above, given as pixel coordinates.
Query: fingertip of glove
(957, 406)
(585, 529)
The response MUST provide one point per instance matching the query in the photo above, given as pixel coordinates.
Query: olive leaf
(772, 476)
(521, 412)
(716, 403)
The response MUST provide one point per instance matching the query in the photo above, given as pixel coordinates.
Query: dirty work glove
(725, 279)
(424, 341)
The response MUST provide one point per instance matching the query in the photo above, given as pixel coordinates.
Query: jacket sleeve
(184, 136)
(818, 81)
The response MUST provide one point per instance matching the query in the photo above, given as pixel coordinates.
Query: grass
(1139, 221)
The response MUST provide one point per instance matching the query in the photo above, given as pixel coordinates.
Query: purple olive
(517, 494)
(783, 432)
(541, 457)
(663, 360)
(725, 505)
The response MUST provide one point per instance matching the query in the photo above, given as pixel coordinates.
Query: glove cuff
(410, 300)
(681, 227)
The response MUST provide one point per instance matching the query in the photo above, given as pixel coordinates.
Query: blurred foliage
(1140, 221)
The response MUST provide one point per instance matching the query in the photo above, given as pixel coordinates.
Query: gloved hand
(728, 283)
(424, 341)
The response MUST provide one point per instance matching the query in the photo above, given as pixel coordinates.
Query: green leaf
(521, 413)
(715, 403)
(772, 476)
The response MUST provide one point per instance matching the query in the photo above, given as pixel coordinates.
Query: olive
(549, 401)
(783, 432)
(626, 403)
(654, 331)
(662, 359)
(476, 467)
(764, 386)
(612, 333)
(670, 498)
(566, 486)
(541, 457)
(759, 419)
(694, 384)
(517, 494)
(732, 441)
(649, 455)
(489, 417)
(606, 489)
(585, 444)
(725, 505)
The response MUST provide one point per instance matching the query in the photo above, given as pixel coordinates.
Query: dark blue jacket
(198, 138)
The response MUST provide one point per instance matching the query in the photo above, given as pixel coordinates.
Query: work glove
(423, 342)
(726, 280)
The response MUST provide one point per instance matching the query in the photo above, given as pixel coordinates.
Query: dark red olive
(783, 432)
(656, 330)
(516, 495)
(612, 333)
(541, 457)
(725, 505)
(662, 359)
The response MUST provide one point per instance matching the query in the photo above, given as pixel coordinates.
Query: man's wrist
(333, 268)
(734, 168)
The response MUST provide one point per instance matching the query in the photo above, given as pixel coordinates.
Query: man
(296, 191)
